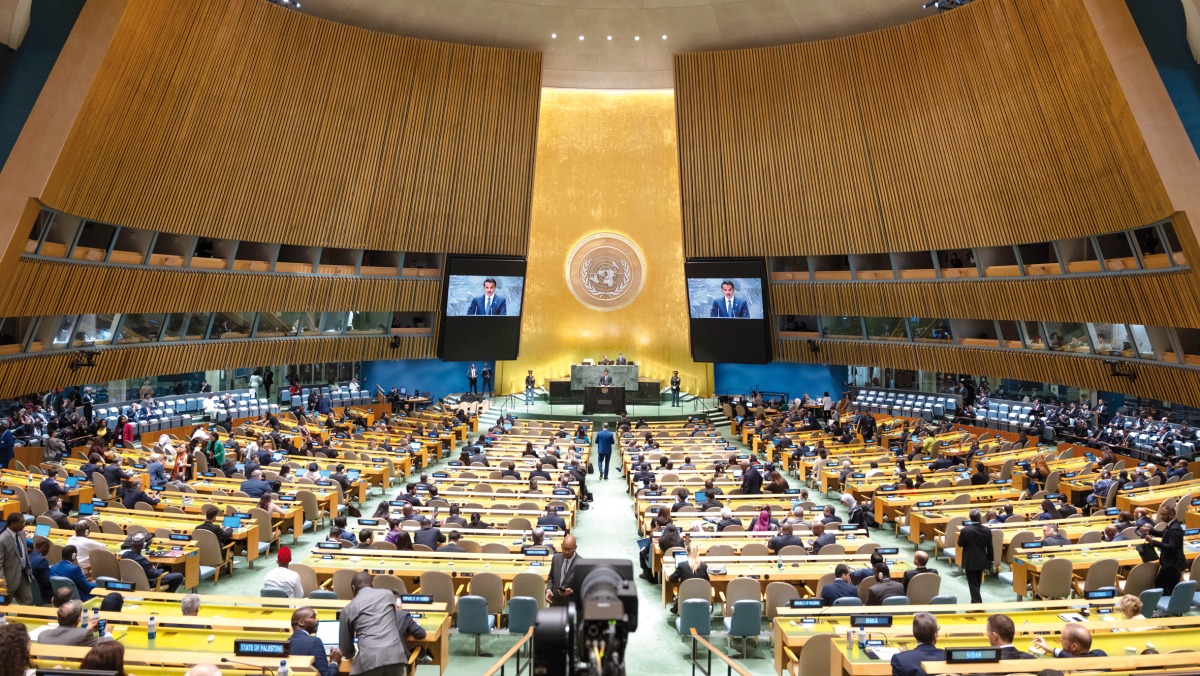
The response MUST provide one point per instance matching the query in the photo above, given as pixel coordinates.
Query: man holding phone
(560, 585)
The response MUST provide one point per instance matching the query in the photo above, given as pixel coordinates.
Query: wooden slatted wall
(997, 123)
(242, 119)
(92, 288)
(1153, 299)
(1157, 381)
(34, 373)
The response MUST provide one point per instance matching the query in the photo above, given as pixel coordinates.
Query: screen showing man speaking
(720, 291)
(482, 311)
(484, 296)
(721, 298)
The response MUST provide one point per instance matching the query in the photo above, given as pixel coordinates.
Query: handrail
(731, 666)
(498, 667)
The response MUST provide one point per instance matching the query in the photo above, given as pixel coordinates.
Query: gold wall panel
(606, 162)
(80, 289)
(1157, 381)
(246, 120)
(22, 375)
(997, 123)
(1153, 299)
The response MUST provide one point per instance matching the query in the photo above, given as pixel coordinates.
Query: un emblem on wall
(605, 271)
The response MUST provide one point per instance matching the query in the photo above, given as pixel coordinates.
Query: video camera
(588, 635)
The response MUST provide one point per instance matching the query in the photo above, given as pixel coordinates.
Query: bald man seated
(920, 561)
(1076, 641)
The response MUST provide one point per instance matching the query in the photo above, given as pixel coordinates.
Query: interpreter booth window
(368, 323)
(1080, 255)
(301, 323)
(1040, 259)
(1116, 252)
(886, 328)
(973, 332)
(1068, 337)
(52, 333)
(197, 326)
(1010, 335)
(1031, 333)
(1144, 342)
(798, 326)
(94, 240)
(334, 323)
(94, 330)
(1122, 340)
(231, 325)
(139, 328)
(845, 328)
(1189, 342)
(930, 330)
(271, 325)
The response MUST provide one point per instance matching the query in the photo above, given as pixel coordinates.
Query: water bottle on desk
(283, 668)
(152, 629)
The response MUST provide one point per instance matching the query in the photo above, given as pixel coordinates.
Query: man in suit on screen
(728, 305)
(489, 303)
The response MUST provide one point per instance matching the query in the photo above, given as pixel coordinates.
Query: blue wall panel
(433, 375)
(795, 379)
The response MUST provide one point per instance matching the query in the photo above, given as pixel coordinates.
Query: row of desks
(964, 626)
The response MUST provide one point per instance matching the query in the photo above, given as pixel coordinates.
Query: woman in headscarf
(763, 522)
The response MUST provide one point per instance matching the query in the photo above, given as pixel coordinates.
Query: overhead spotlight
(664, 37)
(290, 4)
(944, 5)
(581, 38)
(637, 38)
(554, 36)
(610, 37)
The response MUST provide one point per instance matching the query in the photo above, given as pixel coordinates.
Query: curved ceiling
(622, 62)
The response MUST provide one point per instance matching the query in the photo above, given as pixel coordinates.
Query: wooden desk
(246, 536)
(77, 496)
(434, 620)
(1026, 568)
(188, 563)
(408, 566)
(801, 571)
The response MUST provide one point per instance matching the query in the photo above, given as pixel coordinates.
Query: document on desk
(885, 654)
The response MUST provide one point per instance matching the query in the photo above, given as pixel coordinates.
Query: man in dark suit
(604, 447)
(728, 305)
(472, 379)
(1051, 537)
(1171, 561)
(380, 626)
(605, 378)
(908, 662)
(551, 518)
(884, 587)
(561, 582)
(489, 303)
(1000, 632)
(840, 587)
(621, 359)
(224, 535)
(487, 379)
(452, 546)
(305, 642)
(822, 538)
(975, 552)
(429, 536)
(784, 539)
(920, 559)
(675, 389)
(539, 473)
(134, 495)
(751, 480)
(1076, 641)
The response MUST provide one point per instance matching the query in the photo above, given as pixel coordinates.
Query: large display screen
(482, 312)
(721, 298)
(484, 296)
(727, 308)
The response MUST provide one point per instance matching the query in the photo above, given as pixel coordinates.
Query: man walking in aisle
(604, 446)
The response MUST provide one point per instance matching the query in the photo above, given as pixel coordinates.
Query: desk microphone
(264, 670)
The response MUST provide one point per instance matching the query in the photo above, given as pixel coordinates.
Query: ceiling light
(610, 37)
(580, 37)
(553, 36)
(664, 37)
(636, 38)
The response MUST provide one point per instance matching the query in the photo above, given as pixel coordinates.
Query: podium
(603, 399)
